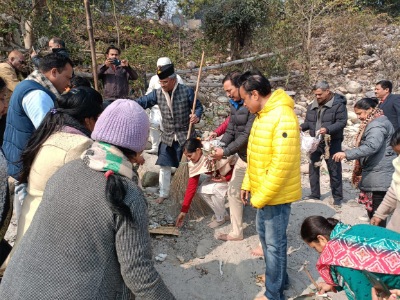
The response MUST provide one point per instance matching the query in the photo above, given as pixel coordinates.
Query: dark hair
(2, 84)
(192, 144)
(113, 47)
(366, 103)
(233, 77)
(57, 40)
(252, 80)
(54, 60)
(385, 84)
(395, 140)
(243, 77)
(317, 225)
(116, 190)
(77, 81)
(73, 108)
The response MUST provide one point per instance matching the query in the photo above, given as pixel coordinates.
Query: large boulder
(353, 87)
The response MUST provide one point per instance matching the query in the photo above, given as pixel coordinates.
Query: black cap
(165, 71)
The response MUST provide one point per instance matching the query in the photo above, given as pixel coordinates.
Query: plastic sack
(309, 144)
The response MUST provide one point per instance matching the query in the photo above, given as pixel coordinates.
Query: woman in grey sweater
(373, 168)
(89, 237)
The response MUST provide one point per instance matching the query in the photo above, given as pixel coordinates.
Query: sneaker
(311, 197)
(337, 205)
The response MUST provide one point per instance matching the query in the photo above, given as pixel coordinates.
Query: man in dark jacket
(388, 102)
(326, 115)
(235, 139)
(115, 75)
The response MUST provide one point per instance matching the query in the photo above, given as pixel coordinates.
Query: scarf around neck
(205, 165)
(104, 157)
(39, 77)
(357, 171)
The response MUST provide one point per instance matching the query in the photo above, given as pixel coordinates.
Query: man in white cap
(155, 114)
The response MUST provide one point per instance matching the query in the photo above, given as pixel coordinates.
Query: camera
(116, 62)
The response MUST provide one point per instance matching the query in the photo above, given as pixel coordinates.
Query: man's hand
(124, 63)
(212, 135)
(140, 160)
(323, 131)
(324, 287)
(179, 219)
(108, 62)
(244, 196)
(194, 119)
(339, 156)
(33, 53)
(375, 221)
(218, 154)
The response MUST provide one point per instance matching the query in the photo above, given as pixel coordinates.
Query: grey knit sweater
(76, 248)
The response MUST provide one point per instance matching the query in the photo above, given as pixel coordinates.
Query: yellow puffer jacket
(273, 154)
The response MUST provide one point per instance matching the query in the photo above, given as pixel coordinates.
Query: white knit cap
(162, 61)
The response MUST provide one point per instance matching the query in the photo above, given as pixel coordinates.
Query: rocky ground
(198, 266)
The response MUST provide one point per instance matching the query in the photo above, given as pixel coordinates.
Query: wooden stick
(195, 94)
(89, 25)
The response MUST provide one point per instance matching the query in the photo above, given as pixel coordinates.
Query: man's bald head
(17, 60)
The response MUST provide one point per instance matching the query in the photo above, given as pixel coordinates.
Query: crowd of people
(68, 156)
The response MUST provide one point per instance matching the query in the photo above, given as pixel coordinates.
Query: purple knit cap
(123, 123)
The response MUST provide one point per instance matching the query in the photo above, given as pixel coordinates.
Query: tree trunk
(89, 25)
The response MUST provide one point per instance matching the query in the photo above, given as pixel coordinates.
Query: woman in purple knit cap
(89, 238)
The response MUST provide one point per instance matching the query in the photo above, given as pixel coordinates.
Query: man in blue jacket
(31, 100)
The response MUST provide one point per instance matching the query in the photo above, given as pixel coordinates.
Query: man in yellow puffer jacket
(273, 173)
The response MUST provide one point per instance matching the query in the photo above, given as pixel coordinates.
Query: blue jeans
(272, 221)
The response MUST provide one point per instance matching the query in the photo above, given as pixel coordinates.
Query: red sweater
(222, 128)
(191, 188)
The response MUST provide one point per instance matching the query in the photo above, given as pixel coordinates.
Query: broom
(179, 181)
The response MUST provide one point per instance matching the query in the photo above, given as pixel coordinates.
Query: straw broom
(180, 179)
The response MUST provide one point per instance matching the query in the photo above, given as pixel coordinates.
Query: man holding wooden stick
(175, 101)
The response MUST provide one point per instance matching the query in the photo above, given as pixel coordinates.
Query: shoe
(337, 205)
(311, 197)
(226, 237)
(152, 151)
(215, 223)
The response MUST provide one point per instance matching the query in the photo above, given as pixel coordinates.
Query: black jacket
(238, 131)
(333, 118)
(391, 109)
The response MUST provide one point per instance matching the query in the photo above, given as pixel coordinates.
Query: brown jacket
(10, 75)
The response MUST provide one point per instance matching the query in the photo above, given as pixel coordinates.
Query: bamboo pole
(89, 25)
(195, 94)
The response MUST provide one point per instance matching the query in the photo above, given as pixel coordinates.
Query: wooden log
(167, 230)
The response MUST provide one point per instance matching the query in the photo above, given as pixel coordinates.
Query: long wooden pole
(195, 94)
(89, 25)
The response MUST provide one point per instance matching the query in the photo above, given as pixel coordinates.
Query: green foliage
(234, 21)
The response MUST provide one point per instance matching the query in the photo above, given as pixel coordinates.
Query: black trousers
(377, 198)
(334, 169)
